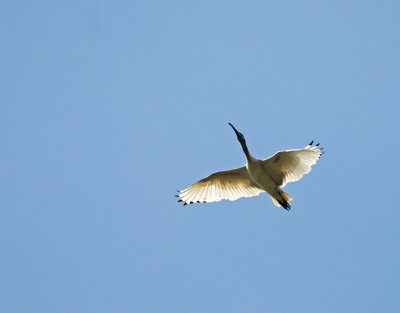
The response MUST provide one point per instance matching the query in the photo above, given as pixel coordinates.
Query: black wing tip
(191, 202)
(178, 196)
(186, 203)
(321, 152)
(312, 143)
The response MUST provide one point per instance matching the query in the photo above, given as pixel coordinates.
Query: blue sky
(108, 107)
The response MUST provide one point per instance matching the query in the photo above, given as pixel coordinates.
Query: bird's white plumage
(256, 177)
(291, 165)
(225, 185)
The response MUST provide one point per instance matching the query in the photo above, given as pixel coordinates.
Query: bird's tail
(284, 202)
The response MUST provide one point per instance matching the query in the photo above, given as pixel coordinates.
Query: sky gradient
(108, 107)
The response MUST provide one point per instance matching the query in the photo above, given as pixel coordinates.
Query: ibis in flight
(257, 176)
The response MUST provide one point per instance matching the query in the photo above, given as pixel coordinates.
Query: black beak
(236, 131)
(241, 140)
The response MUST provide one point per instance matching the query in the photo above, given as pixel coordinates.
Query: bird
(257, 176)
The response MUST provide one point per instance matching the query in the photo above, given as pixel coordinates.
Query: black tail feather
(284, 204)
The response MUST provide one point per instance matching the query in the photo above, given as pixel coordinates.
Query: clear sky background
(108, 107)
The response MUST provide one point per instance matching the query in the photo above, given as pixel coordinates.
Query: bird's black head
(239, 135)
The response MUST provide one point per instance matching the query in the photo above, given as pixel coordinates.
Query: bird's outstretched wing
(229, 185)
(291, 165)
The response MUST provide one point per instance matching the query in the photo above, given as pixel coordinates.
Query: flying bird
(257, 176)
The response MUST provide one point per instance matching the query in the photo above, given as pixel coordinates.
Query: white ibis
(255, 177)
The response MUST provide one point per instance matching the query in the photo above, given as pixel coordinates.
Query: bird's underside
(258, 176)
(282, 168)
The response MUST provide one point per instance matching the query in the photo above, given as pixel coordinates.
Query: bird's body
(260, 176)
(255, 177)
